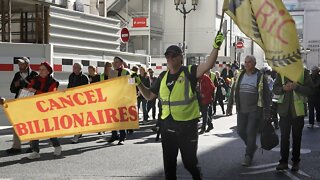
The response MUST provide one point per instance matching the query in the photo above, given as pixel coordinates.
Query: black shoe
(202, 131)
(29, 150)
(247, 161)
(209, 128)
(121, 142)
(13, 151)
(113, 138)
(154, 129)
(282, 166)
(295, 167)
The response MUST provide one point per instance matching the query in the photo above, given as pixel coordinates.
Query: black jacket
(23, 82)
(77, 80)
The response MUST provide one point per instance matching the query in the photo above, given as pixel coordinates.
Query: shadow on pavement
(50, 156)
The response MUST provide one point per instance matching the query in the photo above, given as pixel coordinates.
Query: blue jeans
(247, 126)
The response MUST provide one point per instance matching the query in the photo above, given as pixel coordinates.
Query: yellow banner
(103, 106)
(268, 23)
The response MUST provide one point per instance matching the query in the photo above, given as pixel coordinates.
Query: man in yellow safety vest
(291, 108)
(175, 88)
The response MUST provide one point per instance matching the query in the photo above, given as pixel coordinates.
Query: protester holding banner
(251, 95)
(42, 84)
(291, 108)
(180, 108)
(77, 78)
(121, 71)
(21, 80)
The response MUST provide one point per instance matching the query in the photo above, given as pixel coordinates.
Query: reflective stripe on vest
(260, 91)
(298, 99)
(260, 88)
(181, 102)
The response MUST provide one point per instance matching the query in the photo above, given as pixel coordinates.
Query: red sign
(239, 45)
(139, 22)
(124, 35)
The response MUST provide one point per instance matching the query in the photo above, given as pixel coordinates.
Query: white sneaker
(34, 155)
(57, 151)
(75, 139)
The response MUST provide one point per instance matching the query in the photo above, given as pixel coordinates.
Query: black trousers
(181, 136)
(313, 106)
(287, 124)
(220, 100)
(122, 134)
(35, 144)
(205, 116)
(152, 105)
(274, 115)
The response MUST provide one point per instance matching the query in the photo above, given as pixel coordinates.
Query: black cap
(23, 60)
(174, 50)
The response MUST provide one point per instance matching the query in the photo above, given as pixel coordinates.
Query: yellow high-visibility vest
(181, 102)
(298, 99)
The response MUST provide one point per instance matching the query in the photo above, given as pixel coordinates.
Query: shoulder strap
(187, 72)
(160, 77)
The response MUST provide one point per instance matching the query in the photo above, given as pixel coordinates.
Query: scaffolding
(24, 21)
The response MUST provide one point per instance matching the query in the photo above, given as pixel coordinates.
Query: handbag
(268, 138)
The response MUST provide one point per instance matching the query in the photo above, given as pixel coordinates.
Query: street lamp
(185, 12)
(305, 51)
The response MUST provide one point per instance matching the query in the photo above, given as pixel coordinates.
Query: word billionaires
(78, 119)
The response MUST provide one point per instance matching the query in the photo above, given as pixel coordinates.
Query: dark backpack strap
(188, 75)
(160, 77)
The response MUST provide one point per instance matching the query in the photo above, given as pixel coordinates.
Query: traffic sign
(124, 35)
(239, 45)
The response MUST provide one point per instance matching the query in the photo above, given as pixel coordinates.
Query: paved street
(220, 154)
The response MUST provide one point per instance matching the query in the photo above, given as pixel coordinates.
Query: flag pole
(221, 21)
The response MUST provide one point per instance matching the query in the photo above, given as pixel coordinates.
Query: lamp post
(184, 12)
(305, 51)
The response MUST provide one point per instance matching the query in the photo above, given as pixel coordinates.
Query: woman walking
(44, 83)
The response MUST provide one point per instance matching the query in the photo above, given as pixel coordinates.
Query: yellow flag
(268, 23)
